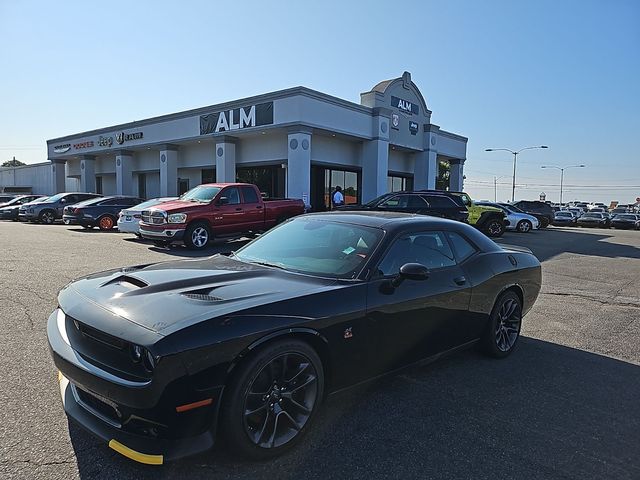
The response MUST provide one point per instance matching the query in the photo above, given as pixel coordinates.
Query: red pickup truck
(214, 209)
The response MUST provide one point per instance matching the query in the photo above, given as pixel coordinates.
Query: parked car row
(10, 207)
(572, 218)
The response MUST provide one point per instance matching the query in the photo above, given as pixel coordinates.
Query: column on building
(299, 164)
(456, 175)
(168, 170)
(425, 170)
(226, 159)
(87, 174)
(375, 156)
(58, 176)
(124, 168)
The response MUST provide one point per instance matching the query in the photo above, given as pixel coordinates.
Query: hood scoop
(127, 281)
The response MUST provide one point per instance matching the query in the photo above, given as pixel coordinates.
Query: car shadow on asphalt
(92, 230)
(178, 250)
(548, 411)
(551, 242)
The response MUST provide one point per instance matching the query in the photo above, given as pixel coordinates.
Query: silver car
(516, 220)
(129, 218)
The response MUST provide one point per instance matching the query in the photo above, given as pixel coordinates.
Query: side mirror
(63, 200)
(222, 201)
(410, 271)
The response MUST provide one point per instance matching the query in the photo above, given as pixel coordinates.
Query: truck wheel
(494, 228)
(197, 236)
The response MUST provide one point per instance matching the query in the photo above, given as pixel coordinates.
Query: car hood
(177, 206)
(169, 296)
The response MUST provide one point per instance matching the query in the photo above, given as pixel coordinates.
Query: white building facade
(298, 143)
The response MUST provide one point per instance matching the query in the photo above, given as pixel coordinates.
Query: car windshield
(564, 214)
(53, 199)
(201, 193)
(316, 247)
(592, 215)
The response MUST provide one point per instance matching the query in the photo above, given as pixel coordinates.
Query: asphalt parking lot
(564, 405)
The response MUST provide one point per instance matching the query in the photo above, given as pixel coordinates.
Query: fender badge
(348, 333)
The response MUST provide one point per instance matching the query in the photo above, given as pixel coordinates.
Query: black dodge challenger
(157, 360)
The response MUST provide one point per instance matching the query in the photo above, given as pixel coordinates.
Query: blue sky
(503, 73)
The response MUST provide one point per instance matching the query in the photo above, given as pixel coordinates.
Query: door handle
(238, 209)
(460, 280)
(258, 206)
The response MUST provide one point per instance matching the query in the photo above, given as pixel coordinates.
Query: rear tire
(197, 236)
(503, 328)
(544, 222)
(494, 228)
(290, 374)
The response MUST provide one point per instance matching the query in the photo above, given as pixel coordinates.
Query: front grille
(154, 217)
(98, 407)
(99, 336)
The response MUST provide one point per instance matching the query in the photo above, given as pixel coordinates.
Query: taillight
(76, 211)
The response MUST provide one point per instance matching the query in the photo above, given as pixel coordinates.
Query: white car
(516, 220)
(128, 219)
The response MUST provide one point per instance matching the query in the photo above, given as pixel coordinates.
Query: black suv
(101, 212)
(50, 210)
(542, 211)
(436, 204)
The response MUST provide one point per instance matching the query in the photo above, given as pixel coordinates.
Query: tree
(13, 163)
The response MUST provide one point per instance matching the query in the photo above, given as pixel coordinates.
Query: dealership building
(297, 142)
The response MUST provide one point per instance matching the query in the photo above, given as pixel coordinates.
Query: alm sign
(237, 118)
(405, 106)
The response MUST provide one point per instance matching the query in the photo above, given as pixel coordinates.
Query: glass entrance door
(324, 181)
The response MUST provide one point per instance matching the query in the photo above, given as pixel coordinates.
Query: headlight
(177, 218)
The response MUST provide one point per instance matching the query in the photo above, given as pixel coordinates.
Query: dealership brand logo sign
(237, 118)
(127, 137)
(83, 145)
(105, 141)
(62, 148)
(413, 127)
(405, 106)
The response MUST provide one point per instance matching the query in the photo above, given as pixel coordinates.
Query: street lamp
(562, 169)
(495, 186)
(515, 158)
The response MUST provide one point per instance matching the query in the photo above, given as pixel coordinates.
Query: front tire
(503, 328)
(524, 226)
(197, 236)
(272, 399)
(106, 223)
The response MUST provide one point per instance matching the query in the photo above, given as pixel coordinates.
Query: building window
(397, 183)
(183, 185)
(99, 185)
(349, 181)
(270, 180)
(142, 185)
(208, 175)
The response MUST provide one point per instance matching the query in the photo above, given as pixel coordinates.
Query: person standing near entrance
(337, 198)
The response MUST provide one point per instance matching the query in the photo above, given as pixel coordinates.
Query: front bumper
(128, 227)
(77, 220)
(165, 232)
(138, 419)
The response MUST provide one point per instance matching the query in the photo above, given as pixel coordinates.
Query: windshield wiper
(267, 264)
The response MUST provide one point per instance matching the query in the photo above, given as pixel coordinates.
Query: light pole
(495, 186)
(562, 169)
(515, 158)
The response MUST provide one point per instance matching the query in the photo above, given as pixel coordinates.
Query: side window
(71, 199)
(392, 202)
(415, 201)
(249, 195)
(430, 249)
(461, 245)
(440, 202)
(233, 195)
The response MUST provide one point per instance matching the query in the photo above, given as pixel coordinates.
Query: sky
(505, 74)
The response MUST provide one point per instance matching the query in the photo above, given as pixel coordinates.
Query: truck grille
(154, 217)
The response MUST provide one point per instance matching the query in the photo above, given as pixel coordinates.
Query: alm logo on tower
(405, 106)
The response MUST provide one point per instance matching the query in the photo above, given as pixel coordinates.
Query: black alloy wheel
(495, 228)
(503, 328)
(273, 399)
(47, 217)
(524, 226)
